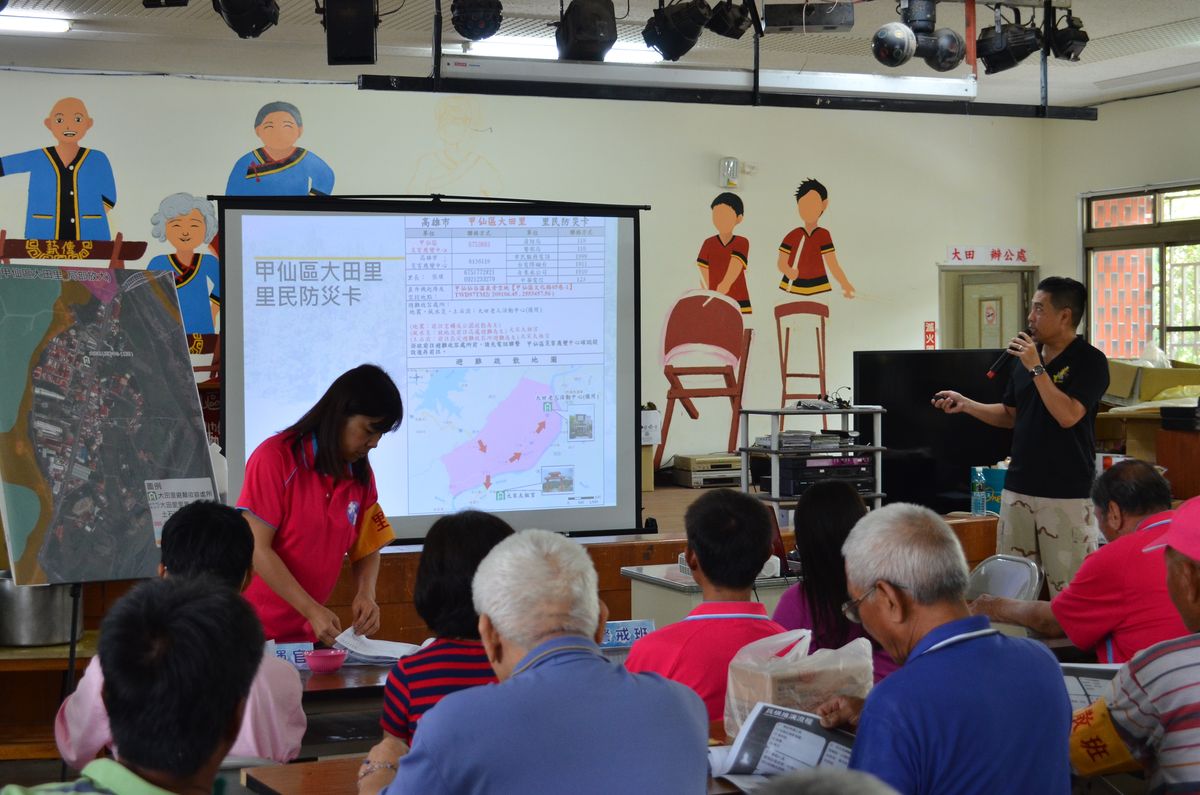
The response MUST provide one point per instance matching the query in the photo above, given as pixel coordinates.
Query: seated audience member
(1153, 700)
(456, 660)
(562, 718)
(969, 710)
(825, 781)
(728, 541)
(179, 656)
(1117, 603)
(824, 515)
(202, 538)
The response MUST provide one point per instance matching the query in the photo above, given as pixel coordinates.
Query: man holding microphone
(1055, 384)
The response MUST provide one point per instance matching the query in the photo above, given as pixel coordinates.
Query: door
(993, 308)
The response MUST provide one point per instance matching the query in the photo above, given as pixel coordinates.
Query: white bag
(779, 670)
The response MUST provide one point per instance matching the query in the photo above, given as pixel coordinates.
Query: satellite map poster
(101, 436)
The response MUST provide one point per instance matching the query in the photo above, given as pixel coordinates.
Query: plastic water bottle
(978, 492)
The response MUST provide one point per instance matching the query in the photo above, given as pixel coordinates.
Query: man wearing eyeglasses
(970, 710)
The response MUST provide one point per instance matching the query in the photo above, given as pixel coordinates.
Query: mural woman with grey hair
(279, 167)
(188, 222)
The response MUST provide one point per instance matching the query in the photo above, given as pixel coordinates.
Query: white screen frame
(621, 518)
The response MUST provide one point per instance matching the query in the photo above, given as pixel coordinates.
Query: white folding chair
(1006, 575)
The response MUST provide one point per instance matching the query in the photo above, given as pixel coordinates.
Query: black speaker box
(350, 31)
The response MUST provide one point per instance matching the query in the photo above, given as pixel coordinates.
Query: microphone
(1003, 359)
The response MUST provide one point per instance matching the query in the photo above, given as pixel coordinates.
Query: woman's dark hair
(825, 514)
(454, 548)
(366, 390)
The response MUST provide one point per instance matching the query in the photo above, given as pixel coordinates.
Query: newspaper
(1087, 683)
(777, 740)
(362, 650)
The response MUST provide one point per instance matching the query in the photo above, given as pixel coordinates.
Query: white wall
(1133, 143)
(902, 187)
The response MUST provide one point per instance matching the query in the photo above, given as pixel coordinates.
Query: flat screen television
(929, 453)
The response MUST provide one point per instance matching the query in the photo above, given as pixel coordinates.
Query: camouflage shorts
(1057, 533)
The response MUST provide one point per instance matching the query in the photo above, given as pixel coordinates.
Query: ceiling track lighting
(586, 31)
(247, 18)
(476, 20)
(729, 20)
(674, 29)
(1068, 42)
(896, 43)
(1005, 44)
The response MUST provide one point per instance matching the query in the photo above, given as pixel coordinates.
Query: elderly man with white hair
(970, 710)
(563, 718)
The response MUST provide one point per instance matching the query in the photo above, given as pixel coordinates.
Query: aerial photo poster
(101, 436)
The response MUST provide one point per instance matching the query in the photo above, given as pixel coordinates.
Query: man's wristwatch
(1038, 369)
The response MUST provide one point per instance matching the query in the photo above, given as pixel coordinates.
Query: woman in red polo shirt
(309, 495)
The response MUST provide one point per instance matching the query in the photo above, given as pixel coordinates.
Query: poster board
(101, 436)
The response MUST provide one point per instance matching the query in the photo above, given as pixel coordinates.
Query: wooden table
(340, 776)
(32, 682)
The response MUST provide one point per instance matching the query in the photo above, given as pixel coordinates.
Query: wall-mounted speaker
(350, 31)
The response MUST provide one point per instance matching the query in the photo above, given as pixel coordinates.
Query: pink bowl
(325, 661)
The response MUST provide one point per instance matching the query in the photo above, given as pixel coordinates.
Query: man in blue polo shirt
(563, 718)
(970, 710)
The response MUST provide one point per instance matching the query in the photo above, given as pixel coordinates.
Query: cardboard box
(1135, 432)
(1129, 383)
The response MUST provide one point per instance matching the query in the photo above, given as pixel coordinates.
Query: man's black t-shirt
(1047, 459)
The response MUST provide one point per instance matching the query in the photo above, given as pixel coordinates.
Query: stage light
(247, 18)
(1005, 45)
(1068, 42)
(476, 19)
(587, 30)
(729, 20)
(673, 30)
(897, 42)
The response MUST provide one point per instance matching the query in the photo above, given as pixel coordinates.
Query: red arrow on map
(541, 426)
(482, 446)
(515, 457)
(487, 482)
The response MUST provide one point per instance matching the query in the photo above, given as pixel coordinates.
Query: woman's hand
(366, 614)
(325, 624)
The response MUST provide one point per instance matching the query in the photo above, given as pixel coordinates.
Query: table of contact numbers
(485, 257)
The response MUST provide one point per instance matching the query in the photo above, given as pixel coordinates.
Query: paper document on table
(1086, 683)
(777, 740)
(362, 650)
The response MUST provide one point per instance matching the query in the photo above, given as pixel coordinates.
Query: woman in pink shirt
(825, 514)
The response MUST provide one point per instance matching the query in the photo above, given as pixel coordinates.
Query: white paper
(365, 651)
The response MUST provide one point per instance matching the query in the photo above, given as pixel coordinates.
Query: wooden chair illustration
(704, 324)
(785, 315)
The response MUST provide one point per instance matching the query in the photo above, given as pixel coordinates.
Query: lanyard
(979, 633)
(525, 666)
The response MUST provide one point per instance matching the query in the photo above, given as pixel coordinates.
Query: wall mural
(807, 255)
(456, 168)
(71, 187)
(187, 223)
(724, 257)
(279, 167)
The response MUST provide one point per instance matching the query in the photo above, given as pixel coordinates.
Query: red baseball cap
(1184, 534)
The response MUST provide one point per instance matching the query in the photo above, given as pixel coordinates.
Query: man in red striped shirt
(1154, 700)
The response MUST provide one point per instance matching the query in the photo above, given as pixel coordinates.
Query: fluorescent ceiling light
(545, 49)
(28, 24)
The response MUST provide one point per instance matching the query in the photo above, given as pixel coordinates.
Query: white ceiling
(1137, 47)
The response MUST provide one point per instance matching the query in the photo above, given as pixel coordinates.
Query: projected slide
(500, 330)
